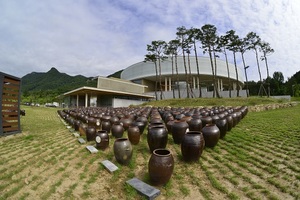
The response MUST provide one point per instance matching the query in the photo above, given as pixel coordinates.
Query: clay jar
(90, 133)
(106, 125)
(206, 120)
(160, 166)
(229, 122)
(223, 126)
(192, 146)
(122, 150)
(141, 125)
(178, 130)
(195, 124)
(157, 137)
(211, 134)
(82, 129)
(77, 124)
(102, 139)
(126, 121)
(214, 118)
(134, 134)
(117, 130)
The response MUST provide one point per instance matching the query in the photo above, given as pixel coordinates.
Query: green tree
(157, 49)
(266, 49)
(223, 43)
(173, 50)
(209, 40)
(254, 44)
(242, 48)
(277, 83)
(233, 45)
(182, 36)
(194, 36)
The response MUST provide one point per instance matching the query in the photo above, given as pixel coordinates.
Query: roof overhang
(98, 91)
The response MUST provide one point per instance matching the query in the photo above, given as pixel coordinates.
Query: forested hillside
(45, 87)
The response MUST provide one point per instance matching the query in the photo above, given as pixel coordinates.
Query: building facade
(173, 75)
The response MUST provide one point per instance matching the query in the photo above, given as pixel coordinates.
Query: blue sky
(100, 37)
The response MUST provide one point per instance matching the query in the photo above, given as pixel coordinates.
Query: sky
(99, 37)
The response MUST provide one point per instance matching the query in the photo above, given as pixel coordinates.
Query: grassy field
(258, 159)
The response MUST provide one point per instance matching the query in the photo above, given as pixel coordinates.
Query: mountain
(54, 81)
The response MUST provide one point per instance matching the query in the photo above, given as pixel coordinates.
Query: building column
(194, 82)
(234, 86)
(221, 85)
(166, 84)
(86, 100)
(170, 84)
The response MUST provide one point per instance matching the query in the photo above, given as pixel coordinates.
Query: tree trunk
(268, 75)
(237, 76)
(198, 70)
(172, 77)
(177, 77)
(186, 75)
(156, 80)
(213, 72)
(190, 76)
(243, 59)
(228, 73)
(217, 89)
(161, 92)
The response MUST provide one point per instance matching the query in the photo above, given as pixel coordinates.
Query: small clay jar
(134, 134)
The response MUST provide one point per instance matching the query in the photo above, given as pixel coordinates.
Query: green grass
(258, 159)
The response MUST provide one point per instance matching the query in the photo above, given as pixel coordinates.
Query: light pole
(247, 90)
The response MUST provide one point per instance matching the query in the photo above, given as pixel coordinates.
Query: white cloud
(100, 37)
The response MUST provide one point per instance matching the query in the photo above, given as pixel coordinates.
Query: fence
(10, 88)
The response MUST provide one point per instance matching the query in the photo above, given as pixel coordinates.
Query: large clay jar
(211, 134)
(141, 125)
(117, 130)
(160, 166)
(102, 139)
(244, 111)
(178, 130)
(82, 129)
(223, 126)
(229, 122)
(98, 124)
(214, 118)
(126, 121)
(90, 133)
(76, 125)
(123, 150)
(113, 119)
(192, 145)
(106, 125)
(195, 124)
(157, 137)
(134, 134)
(169, 126)
(206, 120)
(234, 119)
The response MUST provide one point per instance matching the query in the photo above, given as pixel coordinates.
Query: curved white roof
(146, 70)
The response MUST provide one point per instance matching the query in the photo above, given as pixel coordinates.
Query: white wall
(125, 102)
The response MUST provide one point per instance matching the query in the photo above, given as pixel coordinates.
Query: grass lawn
(257, 159)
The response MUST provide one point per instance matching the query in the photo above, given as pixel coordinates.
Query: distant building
(110, 92)
(137, 83)
(145, 73)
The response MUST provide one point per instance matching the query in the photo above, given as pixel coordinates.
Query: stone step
(92, 149)
(111, 167)
(143, 188)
